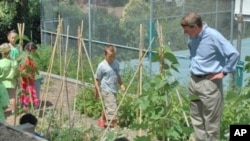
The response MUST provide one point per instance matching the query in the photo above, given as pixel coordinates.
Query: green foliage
(247, 66)
(130, 24)
(236, 109)
(167, 59)
(42, 57)
(126, 112)
(247, 69)
(117, 3)
(60, 131)
(72, 16)
(7, 12)
(128, 72)
(143, 138)
(77, 134)
(162, 117)
(27, 12)
(156, 102)
(87, 104)
(169, 15)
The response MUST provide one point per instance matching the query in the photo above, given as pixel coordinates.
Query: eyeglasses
(184, 25)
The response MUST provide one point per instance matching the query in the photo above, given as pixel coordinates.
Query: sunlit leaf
(170, 56)
(174, 67)
(161, 84)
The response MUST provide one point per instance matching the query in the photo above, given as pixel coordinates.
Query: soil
(59, 96)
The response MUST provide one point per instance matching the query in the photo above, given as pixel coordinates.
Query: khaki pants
(207, 110)
(110, 103)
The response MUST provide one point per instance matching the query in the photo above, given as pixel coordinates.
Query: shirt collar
(204, 26)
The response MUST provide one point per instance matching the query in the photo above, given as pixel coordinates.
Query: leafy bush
(42, 57)
(87, 104)
(117, 3)
(60, 131)
(162, 114)
(77, 134)
(127, 113)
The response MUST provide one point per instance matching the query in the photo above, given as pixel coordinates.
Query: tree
(131, 20)
(23, 11)
(169, 14)
(7, 13)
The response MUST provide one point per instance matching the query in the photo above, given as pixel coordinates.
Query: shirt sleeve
(229, 52)
(98, 74)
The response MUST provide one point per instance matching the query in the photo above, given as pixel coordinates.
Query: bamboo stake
(60, 92)
(93, 74)
(82, 73)
(79, 65)
(21, 28)
(81, 58)
(64, 75)
(140, 73)
(159, 31)
(161, 51)
(79, 55)
(42, 95)
(21, 33)
(78, 62)
(183, 112)
(50, 69)
(161, 54)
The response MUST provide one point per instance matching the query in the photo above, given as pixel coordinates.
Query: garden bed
(57, 99)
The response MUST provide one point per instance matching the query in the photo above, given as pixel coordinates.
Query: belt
(200, 76)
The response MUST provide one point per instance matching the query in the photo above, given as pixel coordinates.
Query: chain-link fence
(117, 22)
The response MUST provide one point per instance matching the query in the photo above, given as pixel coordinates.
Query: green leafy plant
(162, 115)
(236, 109)
(42, 56)
(87, 104)
(247, 66)
(126, 112)
(78, 134)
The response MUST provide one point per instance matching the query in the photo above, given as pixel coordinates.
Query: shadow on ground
(46, 104)
(121, 139)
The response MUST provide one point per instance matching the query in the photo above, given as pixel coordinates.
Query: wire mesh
(117, 22)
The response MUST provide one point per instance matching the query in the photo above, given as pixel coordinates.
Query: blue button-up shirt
(211, 52)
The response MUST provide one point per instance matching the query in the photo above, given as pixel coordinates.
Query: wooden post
(140, 72)
(47, 80)
(20, 33)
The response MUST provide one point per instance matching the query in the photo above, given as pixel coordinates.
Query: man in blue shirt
(212, 57)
